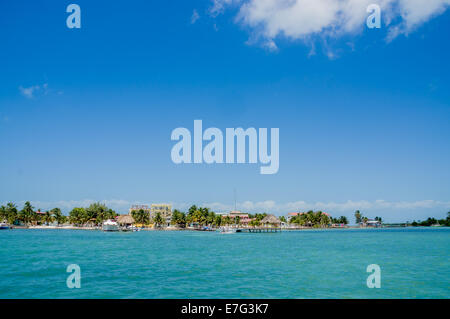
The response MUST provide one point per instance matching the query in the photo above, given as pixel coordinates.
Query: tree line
(433, 221)
(202, 216)
(27, 215)
(316, 219)
(360, 218)
(95, 214)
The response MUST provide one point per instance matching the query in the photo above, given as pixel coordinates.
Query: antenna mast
(235, 199)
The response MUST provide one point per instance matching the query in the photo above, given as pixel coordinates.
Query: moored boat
(227, 230)
(110, 225)
(4, 226)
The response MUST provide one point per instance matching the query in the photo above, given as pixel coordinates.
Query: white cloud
(414, 13)
(30, 92)
(219, 6)
(195, 16)
(305, 19)
(393, 210)
(333, 207)
(271, 45)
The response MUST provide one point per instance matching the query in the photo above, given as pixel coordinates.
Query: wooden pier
(259, 230)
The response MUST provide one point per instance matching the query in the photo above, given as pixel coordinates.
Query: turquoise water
(161, 264)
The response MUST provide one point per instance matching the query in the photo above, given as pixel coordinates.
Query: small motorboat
(4, 226)
(110, 225)
(227, 230)
(129, 228)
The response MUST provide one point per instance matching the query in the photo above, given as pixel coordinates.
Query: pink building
(243, 217)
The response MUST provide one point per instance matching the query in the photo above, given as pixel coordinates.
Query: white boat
(4, 226)
(227, 230)
(110, 225)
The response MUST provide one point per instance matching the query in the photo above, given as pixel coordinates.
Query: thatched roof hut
(125, 220)
(270, 219)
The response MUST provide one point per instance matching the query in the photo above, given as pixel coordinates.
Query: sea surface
(414, 263)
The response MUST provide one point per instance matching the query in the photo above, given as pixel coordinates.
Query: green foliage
(58, 216)
(257, 216)
(340, 220)
(202, 216)
(78, 216)
(141, 216)
(433, 221)
(254, 223)
(96, 213)
(358, 217)
(178, 218)
(227, 220)
(27, 214)
(3, 214)
(311, 219)
(9, 213)
(48, 218)
(218, 220)
(158, 220)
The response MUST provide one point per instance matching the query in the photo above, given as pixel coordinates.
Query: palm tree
(199, 216)
(324, 220)
(364, 220)
(48, 218)
(3, 213)
(27, 214)
(11, 213)
(141, 216)
(211, 218)
(178, 218)
(358, 217)
(77, 216)
(96, 211)
(227, 220)
(218, 220)
(58, 216)
(158, 220)
(254, 223)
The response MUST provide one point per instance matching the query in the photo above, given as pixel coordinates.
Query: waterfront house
(243, 217)
(40, 217)
(271, 221)
(371, 223)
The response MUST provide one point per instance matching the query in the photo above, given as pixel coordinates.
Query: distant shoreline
(42, 227)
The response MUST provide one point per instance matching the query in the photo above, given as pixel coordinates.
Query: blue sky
(86, 114)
